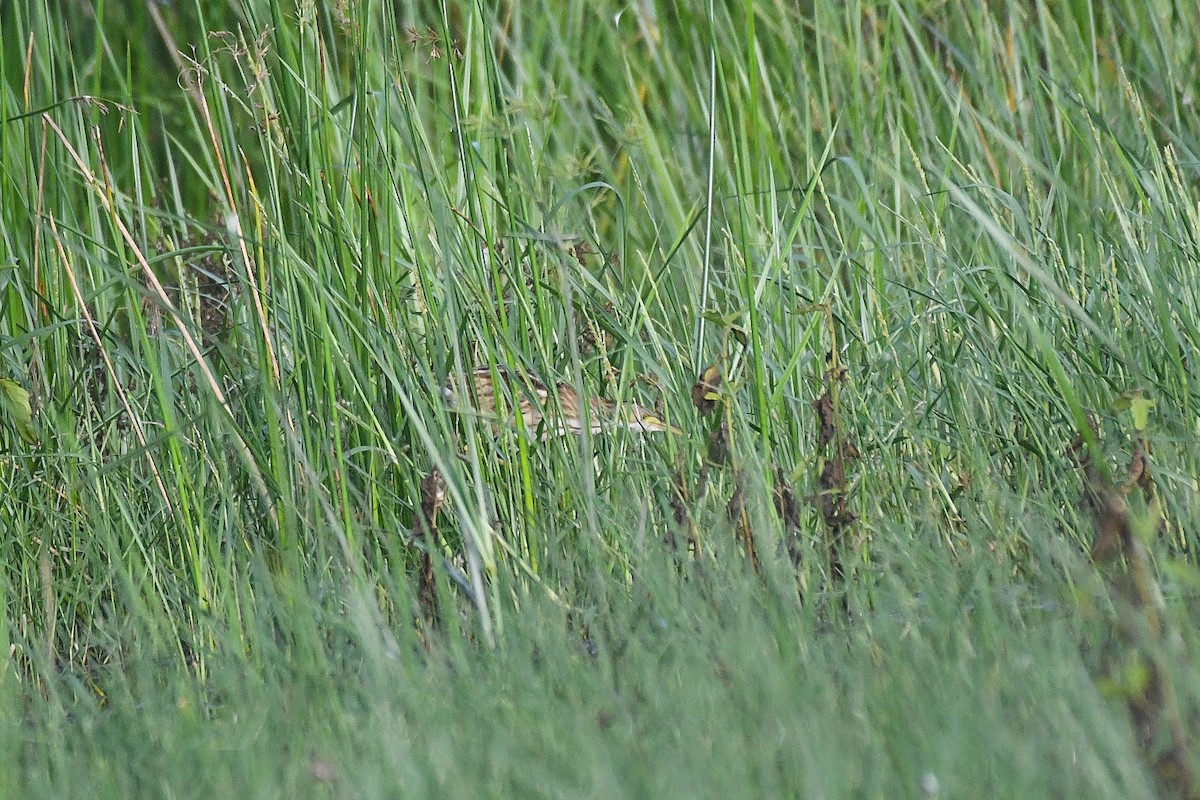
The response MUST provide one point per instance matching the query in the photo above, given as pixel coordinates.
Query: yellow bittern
(543, 414)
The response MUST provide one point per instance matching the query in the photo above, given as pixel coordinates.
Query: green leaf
(15, 400)
(730, 320)
(1137, 404)
(1140, 408)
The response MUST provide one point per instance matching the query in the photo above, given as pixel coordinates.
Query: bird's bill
(644, 421)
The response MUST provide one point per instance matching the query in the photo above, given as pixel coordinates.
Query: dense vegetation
(912, 283)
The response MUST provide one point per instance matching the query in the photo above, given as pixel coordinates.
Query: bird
(543, 414)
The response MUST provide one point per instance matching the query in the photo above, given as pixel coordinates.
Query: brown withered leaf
(433, 493)
(1138, 472)
(718, 445)
(786, 502)
(595, 338)
(823, 406)
(740, 518)
(1164, 735)
(788, 506)
(831, 497)
(1113, 528)
(681, 511)
(706, 391)
(580, 253)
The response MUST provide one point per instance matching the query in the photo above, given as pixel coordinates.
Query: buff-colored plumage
(543, 414)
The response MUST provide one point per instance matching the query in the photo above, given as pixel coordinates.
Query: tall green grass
(242, 250)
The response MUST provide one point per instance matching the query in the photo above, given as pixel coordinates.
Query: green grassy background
(208, 573)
